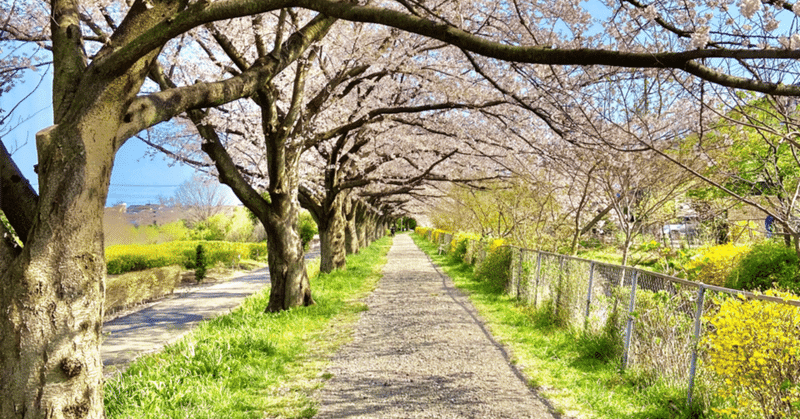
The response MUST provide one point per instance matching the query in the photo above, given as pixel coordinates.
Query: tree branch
(149, 110)
(18, 200)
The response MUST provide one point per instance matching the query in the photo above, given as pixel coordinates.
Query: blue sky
(136, 178)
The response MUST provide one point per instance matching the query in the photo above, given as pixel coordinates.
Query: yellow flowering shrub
(754, 347)
(495, 243)
(460, 241)
(713, 264)
(422, 231)
(437, 233)
(123, 258)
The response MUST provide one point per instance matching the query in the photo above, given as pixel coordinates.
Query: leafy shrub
(755, 349)
(770, 264)
(138, 257)
(423, 231)
(307, 228)
(460, 244)
(496, 244)
(648, 246)
(437, 234)
(215, 227)
(137, 287)
(496, 268)
(714, 264)
(200, 263)
(126, 258)
(240, 226)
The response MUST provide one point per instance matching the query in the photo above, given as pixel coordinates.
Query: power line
(143, 186)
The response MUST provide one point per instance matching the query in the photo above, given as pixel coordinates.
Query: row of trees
(314, 101)
(743, 155)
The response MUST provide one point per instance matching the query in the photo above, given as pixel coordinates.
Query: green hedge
(136, 287)
(136, 257)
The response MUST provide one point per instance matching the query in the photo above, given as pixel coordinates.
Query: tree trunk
(53, 289)
(626, 248)
(361, 224)
(287, 269)
(331, 238)
(351, 240)
(290, 285)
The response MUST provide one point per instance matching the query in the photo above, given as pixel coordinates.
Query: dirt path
(420, 351)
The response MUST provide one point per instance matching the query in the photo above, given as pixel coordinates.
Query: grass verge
(251, 364)
(578, 374)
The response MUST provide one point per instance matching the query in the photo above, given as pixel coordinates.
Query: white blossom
(700, 37)
(790, 43)
(772, 24)
(748, 8)
(650, 13)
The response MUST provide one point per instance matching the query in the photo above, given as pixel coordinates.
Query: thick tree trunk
(53, 289)
(331, 238)
(290, 285)
(361, 224)
(287, 269)
(372, 227)
(351, 240)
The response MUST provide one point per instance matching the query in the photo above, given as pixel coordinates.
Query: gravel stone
(421, 351)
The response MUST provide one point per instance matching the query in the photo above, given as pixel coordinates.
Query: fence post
(697, 325)
(513, 280)
(560, 285)
(521, 273)
(629, 326)
(538, 272)
(589, 296)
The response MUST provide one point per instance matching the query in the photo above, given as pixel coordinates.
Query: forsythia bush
(496, 243)
(437, 233)
(460, 241)
(713, 264)
(755, 348)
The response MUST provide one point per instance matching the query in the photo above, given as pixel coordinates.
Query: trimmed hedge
(136, 257)
(136, 287)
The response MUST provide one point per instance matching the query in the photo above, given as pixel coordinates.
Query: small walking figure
(393, 229)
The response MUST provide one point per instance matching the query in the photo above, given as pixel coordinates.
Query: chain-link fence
(658, 319)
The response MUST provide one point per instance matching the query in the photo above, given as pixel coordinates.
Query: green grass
(251, 364)
(578, 374)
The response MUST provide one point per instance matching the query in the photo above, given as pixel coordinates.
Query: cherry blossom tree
(103, 53)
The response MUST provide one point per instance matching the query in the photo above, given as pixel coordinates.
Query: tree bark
(53, 290)
(331, 237)
(361, 224)
(351, 240)
(290, 286)
(287, 269)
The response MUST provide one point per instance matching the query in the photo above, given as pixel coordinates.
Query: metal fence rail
(658, 318)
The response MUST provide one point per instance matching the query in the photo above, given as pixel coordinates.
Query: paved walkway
(157, 325)
(421, 351)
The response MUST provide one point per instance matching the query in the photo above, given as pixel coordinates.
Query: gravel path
(420, 351)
